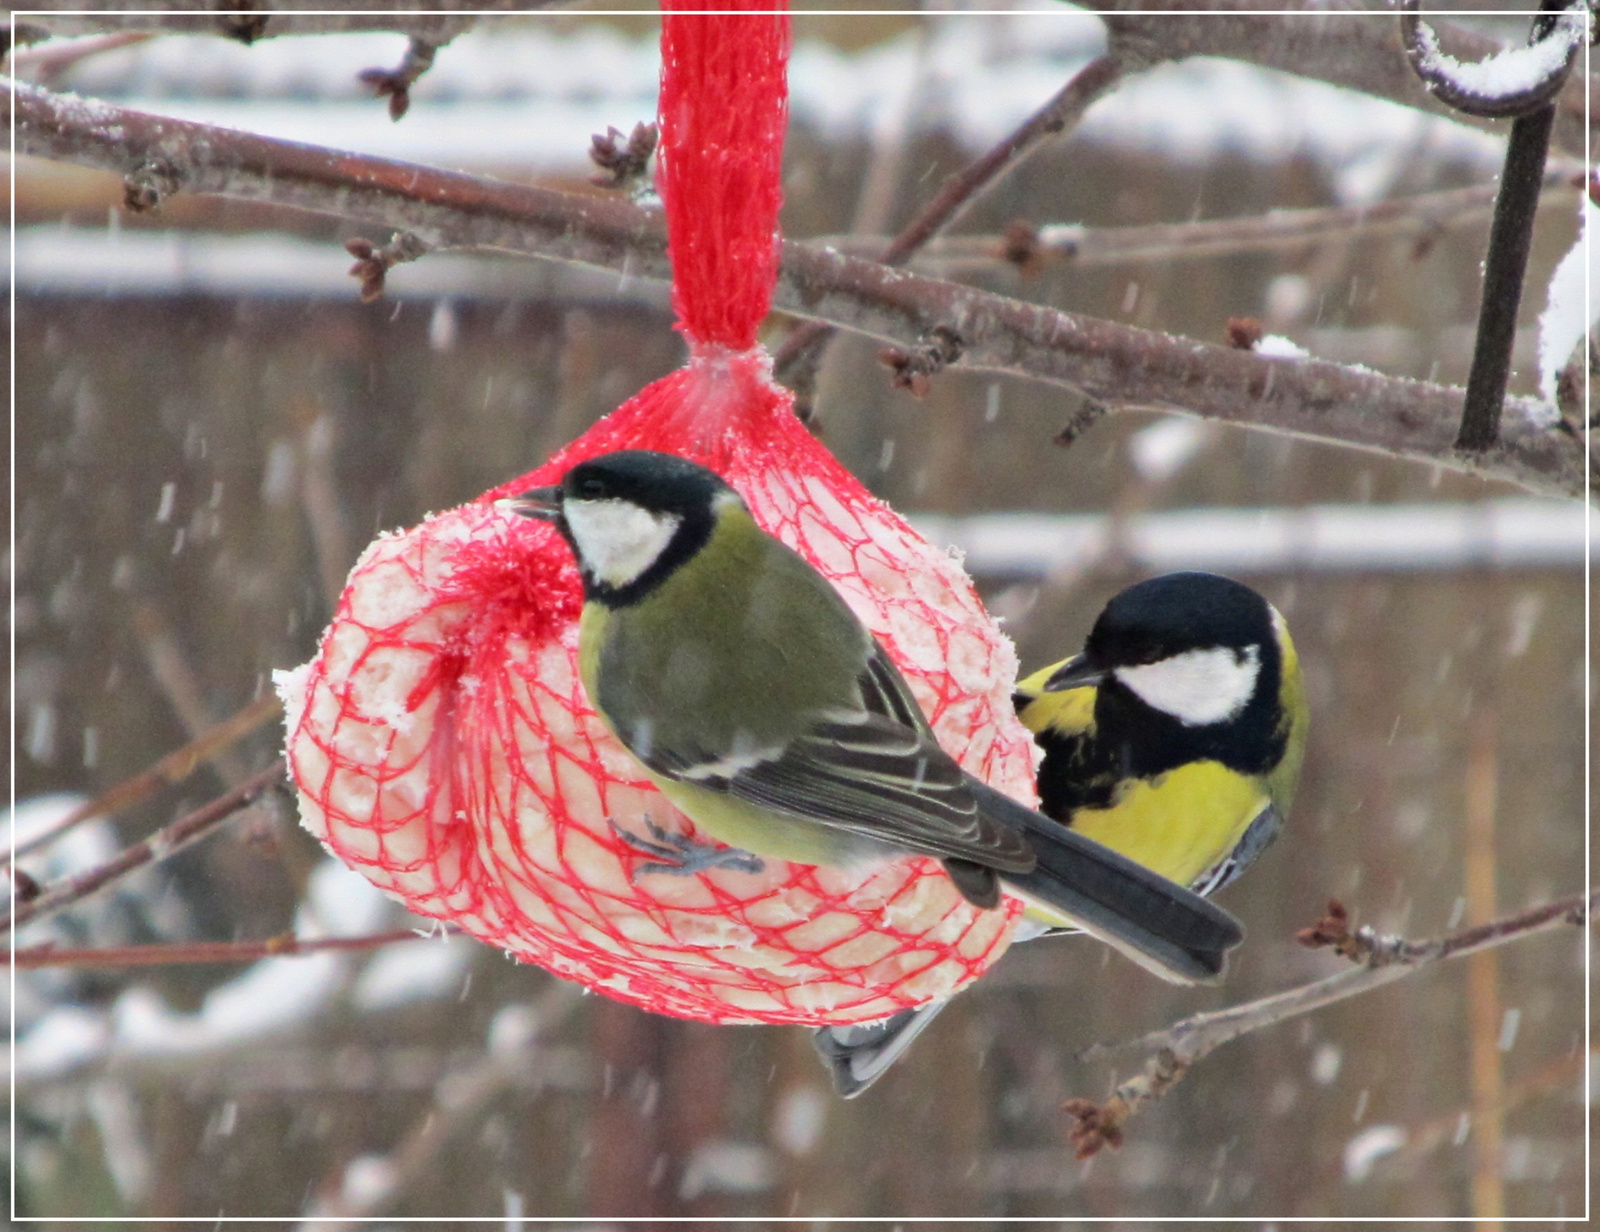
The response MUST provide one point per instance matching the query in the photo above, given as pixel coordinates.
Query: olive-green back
(738, 649)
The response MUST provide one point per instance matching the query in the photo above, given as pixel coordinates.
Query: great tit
(765, 711)
(1175, 738)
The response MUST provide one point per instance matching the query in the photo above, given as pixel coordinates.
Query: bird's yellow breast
(1178, 824)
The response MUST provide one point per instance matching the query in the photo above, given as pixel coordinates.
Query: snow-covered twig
(179, 834)
(177, 953)
(173, 768)
(1514, 82)
(1117, 365)
(1358, 50)
(1381, 959)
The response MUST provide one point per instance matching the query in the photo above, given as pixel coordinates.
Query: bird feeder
(442, 744)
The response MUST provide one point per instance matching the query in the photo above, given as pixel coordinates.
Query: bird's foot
(681, 855)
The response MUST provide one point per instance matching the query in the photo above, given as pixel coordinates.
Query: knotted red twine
(443, 745)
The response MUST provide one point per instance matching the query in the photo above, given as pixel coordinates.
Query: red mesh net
(442, 743)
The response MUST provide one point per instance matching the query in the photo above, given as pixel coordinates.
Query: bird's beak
(541, 503)
(1075, 673)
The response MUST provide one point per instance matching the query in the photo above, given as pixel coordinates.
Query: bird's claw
(681, 855)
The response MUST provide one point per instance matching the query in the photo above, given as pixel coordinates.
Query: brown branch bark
(430, 20)
(173, 768)
(191, 826)
(1424, 217)
(1117, 365)
(1173, 1050)
(1360, 50)
(183, 952)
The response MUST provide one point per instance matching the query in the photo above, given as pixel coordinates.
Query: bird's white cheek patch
(1198, 687)
(617, 539)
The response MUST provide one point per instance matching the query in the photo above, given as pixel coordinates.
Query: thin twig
(1114, 364)
(173, 768)
(1174, 1049)
(1425, 216)
(802, 349)
(44, 64)
(395, 83)
(287, 945)
(191, 826)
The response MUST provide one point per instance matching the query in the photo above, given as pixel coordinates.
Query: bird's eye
(591, 488)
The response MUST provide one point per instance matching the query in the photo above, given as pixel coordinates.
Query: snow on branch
(1509, 83)
(1359, 50)
(1380, 959)
(173, 838)
(1117, 365)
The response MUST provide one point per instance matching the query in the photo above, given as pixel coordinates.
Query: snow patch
(59, 1042)
(1568, 314)
(411, 972)
(1279, 347)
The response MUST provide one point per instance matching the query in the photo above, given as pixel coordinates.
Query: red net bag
(441, 741)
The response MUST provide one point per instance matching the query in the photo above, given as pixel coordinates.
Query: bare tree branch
(1424, 217)
(1382, 959)
(173, 768)
(182, 952)
(1117, 365)
(1361, 50)
(432, 21)
(191, 826)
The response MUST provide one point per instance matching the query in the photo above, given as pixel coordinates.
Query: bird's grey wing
(1256, 839)
(876, 772)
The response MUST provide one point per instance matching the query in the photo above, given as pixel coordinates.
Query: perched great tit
(768, 714)
(1175, 738)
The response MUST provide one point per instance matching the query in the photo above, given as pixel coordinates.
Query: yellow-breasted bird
(1175, 738)
(767, 713)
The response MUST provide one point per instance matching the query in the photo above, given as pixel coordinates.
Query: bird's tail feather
(857, 1056)
(1160, 925)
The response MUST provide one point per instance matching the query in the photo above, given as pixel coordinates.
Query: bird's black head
(1186, 667)
(1189, 651)
(660, 483)
(1175, 613)
(631, 518)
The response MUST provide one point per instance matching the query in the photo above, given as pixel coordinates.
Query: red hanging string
(723, 109)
